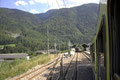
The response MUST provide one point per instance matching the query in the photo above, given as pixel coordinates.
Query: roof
(15, 55)
(51, 50)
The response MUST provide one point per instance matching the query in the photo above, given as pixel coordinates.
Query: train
(105, 47)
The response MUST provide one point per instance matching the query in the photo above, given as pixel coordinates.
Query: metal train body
(105, 48)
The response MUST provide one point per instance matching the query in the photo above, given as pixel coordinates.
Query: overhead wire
(64, 3)
(21, 6)
(48, 4)
(58, 4)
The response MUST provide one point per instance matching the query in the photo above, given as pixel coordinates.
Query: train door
(114, 31)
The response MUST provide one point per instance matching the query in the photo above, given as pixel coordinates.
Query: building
(45, 51)
(72, 51)
(41, 52)
(7, 57)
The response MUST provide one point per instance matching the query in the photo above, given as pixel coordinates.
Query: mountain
(43, 16)
(16, 20)
(77, 24)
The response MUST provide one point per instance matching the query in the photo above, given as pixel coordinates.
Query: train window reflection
(101, 51)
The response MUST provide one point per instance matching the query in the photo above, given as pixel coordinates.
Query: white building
(72, 51)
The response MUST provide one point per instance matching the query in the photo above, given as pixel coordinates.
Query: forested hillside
(78, 22)
(29, 32)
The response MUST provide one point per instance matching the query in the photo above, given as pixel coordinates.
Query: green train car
(105, 48)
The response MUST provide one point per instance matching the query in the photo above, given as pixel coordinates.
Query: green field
(12, 45)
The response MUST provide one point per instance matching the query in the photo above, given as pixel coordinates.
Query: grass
(2, 46)
(12, 45)
(64, 51)
(19, 66)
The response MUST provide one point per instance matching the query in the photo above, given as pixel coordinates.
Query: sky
(41, 6)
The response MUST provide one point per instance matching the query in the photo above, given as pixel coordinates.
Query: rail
(50, 63)
(63, 75)
(74, 77)
(86, 55)
(50, 77)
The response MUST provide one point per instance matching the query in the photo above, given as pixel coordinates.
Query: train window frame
(103, 31)
(101, 48)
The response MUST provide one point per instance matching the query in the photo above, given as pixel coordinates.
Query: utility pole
(55, 48)
(55, 45)
(59, 46)
(69, 44)
(48, 40)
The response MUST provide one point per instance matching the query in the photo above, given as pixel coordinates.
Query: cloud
(20, 2)
(41, 1)
(52, 4)
(56, 4)
(72, 3)
(83, 1)
(31, 2)
(34, 11)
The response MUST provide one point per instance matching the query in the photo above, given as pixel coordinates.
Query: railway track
(51, 74)
(72, 69)
(58, 69)
(84, 69)
(48, 67)
(36, 72)
(79, 60)
(65, 70)
(87, 55)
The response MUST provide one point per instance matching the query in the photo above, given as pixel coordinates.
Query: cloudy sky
(40, 6)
